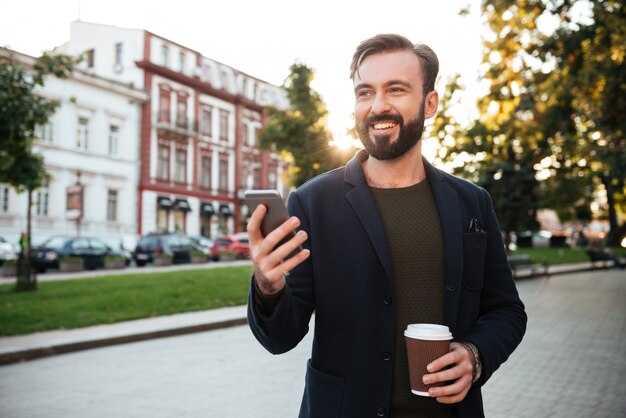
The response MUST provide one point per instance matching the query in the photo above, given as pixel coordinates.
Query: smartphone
(276, 212)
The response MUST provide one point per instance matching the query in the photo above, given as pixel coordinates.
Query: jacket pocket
(474, 248)
(322, 394)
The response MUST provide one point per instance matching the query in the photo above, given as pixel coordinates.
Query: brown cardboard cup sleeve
(424, 344)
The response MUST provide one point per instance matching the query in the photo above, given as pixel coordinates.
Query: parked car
(92, 250)
(177, 246)
(236, 244)
(202, 244)
(7, 252)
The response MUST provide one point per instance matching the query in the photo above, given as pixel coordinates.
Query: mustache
(383, 118)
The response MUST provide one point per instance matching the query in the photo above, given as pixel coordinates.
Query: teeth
(385, 125)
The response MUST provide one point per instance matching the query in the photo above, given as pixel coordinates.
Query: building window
(82, 134)
(180, 221)
(181, 165)
(205, 176)
(182, 61)
(206, 121)
(273, 180)
(43, 196)
(257, 132)
(118, 54)
(163, 163)
(165, 55)
(162, 219)
(256, 178)
(223, 173)
(224, 125)
(164, 105)
(181, 112)
(4, 198)
(44, 132)
(205, 226)
(246, 134)
(89, 58)
(112, 205)
(114, 132)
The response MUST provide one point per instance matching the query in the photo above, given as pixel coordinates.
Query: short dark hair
(391, 42)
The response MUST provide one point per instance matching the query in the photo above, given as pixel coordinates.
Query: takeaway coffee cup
(424, 344)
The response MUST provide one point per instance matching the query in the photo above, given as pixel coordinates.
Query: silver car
(7, 252)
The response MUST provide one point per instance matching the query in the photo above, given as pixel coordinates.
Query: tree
(586, 111)
(301, 131)
(551, 128)
(22, 110)
(498, 151)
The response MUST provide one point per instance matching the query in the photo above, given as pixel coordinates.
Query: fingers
(453, 393)
(254, 225)
(271, 264)
(455, 368)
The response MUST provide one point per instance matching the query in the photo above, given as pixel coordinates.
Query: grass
(80, 303)
(555, 256)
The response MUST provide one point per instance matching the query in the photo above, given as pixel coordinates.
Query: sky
(264, 38)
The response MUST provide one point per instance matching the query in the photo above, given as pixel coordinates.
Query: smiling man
(388, 240)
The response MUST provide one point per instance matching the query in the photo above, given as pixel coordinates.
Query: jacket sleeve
(282, 329)
(502, 317)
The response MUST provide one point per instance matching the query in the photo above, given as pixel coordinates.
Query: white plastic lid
(428, 332)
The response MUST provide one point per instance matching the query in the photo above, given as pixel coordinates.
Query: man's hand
(270, 266)
(457, 368)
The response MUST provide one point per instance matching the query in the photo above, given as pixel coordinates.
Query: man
(388, 240)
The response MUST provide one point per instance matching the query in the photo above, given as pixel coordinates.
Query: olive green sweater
(412, 225)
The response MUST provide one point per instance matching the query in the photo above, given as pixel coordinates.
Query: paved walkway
(571, 364)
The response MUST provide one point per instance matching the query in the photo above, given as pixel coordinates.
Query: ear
(431, 103)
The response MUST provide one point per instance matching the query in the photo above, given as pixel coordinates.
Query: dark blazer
(348, 282)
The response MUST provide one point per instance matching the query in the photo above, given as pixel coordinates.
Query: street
(570, 364)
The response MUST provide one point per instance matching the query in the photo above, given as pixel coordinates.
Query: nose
(380, 105)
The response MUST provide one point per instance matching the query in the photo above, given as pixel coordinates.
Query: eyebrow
(387, 84)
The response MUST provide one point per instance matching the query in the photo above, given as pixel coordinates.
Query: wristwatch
(478, 366)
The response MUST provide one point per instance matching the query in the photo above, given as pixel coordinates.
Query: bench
(522, 262)
(601, 258)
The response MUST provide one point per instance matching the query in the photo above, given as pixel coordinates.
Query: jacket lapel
(362, 202)
(447, 202)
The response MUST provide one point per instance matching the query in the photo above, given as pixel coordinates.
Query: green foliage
(300, 132)
(22, 110)
(80, 303)
(551, 130)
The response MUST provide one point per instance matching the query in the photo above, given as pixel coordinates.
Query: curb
(27, 354)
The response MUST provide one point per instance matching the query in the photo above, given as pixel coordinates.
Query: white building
(198, 148)
(92, 140)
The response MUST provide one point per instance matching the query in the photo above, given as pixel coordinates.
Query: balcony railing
(181, 125)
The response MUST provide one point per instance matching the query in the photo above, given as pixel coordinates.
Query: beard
(380, 146)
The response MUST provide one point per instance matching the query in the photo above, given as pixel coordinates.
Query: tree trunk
(26, 277)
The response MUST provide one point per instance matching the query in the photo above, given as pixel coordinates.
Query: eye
(363, 93)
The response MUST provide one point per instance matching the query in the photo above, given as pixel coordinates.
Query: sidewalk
(42, 344)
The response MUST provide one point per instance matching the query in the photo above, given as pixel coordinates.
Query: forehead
(386, 66)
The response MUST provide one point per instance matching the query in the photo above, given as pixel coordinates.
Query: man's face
(389, 108)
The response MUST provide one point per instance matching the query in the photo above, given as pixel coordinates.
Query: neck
(403, 171)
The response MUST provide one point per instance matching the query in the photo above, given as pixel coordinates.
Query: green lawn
(79, 303)
(84, 302)
(561, 255)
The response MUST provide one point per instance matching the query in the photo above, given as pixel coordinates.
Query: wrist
(478, 366)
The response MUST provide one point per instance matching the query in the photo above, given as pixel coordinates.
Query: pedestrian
(23, 244)
(387, 240)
